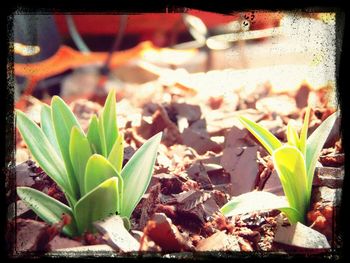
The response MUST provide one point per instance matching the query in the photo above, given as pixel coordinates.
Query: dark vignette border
(158, 6)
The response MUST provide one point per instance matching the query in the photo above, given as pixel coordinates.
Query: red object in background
(154, 26)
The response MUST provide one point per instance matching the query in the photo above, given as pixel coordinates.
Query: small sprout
(295, 163)
(87, 168)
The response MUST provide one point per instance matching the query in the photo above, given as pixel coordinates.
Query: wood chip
(162, 231)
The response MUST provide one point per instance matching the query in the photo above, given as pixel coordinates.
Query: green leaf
(256, 201)
(266, 138)
(98, 204)
(290, 166)
(137, 173)
(315, 144)
(63, 121)
(80, 152)
(117, 153)
(93, 135)
(292, 136)
(47, 208)
(102, 134)
(98, 170)
(43, 152)
(303, 133)
(47, 127)
(109, 117)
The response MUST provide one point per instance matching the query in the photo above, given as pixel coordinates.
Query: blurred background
(83, 55)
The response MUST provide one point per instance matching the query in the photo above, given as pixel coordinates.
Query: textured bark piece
(161, 230)
(241, 164)
(273, 184)
(128, 153)
(226, 188)
(191, 112)
(302, 95)
(197, 205)
(59, 242)
(118, 237)
(219, 242)
(220, 197)
(219, 176)
(160, 121)
(25, 173)
(198, 172)
(238, 136)
(281, 104)
(333, 160)
(299, 235)
(190, 199)
(199, 142)
(331, 177)
(200, 126)
(29, 235)
(148, 206)
(170, 183)
(202, 212)
(219, 122)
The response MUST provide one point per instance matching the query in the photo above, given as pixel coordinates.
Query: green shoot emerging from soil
(87, 168)
(295, 164)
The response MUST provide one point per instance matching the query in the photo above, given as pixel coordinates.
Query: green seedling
(295, 164)
(86, 167)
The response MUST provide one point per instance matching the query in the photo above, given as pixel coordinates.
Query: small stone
(83, 249)
(299, 235)
(327, 196)
(118, 237)
(243, 168)
(329, 176)
(17, 209)
(219, 242)
(25, 173)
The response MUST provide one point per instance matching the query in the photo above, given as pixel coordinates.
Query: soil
(205, 158)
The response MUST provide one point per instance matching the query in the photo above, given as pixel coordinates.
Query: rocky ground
(205, 158)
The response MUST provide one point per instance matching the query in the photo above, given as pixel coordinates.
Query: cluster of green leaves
(86, 167)
(295, 164)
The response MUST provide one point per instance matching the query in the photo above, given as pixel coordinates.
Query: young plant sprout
(295, 164)
(87, 168)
